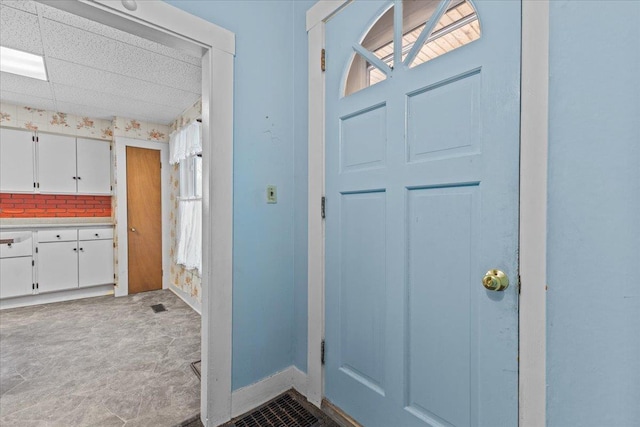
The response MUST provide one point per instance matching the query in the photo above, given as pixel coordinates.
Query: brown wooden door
(144, 219)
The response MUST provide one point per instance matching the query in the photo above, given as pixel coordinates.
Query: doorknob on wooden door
(133, 229)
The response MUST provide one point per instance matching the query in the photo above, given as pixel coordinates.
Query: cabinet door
(16, 277)
(57, 164)
(94, 166)
(16, 161)
(95, 262)
(57, 266)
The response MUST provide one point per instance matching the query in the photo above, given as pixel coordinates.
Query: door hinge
(33, 263)
(36, 249)
(322, 352)
(323, 203)
(114, 276)
(323, 63)
(519, 284)
(38, 185)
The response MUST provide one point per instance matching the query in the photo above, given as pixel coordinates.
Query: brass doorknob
(133, 229)
(495, 280)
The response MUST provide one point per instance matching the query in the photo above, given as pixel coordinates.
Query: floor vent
(282, 412)
(157, 308)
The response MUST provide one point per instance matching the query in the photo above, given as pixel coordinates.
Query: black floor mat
(157, 308)
(281, 412)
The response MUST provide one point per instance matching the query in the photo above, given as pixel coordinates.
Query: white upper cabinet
(94, 166)
(16, 161)
(57, 164)
(70, 166)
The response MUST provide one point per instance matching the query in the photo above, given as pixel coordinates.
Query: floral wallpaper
(51, 121)
(187, 116)
(137, 129)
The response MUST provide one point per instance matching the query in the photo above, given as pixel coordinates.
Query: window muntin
(458, 26)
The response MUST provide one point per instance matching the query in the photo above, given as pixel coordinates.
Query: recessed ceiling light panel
(22, 63)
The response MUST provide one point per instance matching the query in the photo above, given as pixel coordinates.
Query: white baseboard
(189, 301)
(48, 298)
(254, 395)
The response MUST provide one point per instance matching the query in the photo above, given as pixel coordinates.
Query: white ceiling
(95, 70)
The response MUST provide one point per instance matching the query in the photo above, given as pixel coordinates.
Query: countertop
(41, 223)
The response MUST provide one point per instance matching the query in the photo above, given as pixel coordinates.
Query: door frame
(122, 224)
(163, 23)
(532, 216)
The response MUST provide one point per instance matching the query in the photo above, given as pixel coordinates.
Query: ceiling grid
(95, 70)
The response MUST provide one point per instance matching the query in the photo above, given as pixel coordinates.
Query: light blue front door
(422, 200)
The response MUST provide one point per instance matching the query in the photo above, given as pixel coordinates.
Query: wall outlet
(272, 194)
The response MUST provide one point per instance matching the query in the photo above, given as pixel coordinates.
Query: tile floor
(100, 362)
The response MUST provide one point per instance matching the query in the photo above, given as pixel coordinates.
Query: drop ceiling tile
(25, 85)
(68, 74)
(115, 34)
(20, 30)
(120, 106)
(25, 100)
(85, 48)
(23, 5)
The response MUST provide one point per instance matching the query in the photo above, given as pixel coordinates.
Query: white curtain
(189, 251)
(183, 146)
(185, 142)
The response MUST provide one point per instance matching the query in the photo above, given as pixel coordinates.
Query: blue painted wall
(593, 311)
(263, 291)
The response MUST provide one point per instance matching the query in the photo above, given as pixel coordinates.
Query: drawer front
(16, 244)
(95, 233)
(66, 235)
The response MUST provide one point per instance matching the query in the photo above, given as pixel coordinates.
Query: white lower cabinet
(57, 266)
(95, 262)
(64, 259)
(16, 264)
(16, 277)
(73, 258)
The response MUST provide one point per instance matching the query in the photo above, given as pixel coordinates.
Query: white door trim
(122, 224)
(533, 196)
(168, 25)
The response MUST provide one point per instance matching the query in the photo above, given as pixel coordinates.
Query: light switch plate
(272, 194)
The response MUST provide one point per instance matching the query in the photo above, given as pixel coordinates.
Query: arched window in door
(430, 28)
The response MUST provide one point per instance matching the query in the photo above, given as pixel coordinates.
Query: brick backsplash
(14, 205)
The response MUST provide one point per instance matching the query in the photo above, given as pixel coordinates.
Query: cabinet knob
(79, 177)
(58, 236)
(81, 249)
(97, 235)
(75, 249)
(74, 177)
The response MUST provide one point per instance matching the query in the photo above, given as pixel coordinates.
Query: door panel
(57, 266)
(94, 166)
(57, 164)
(144, 219)
(16, 161)
(95, 262)
(16, 277)
(422, 200)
